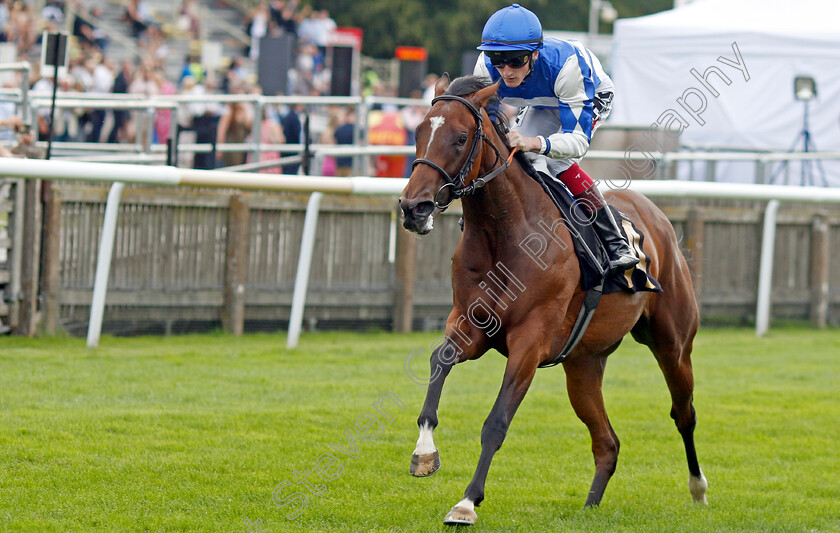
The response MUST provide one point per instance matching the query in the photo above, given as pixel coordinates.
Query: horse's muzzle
(417, 215)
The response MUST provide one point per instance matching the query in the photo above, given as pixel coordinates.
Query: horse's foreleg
(583, 381)
(425, 460)
(518, 376)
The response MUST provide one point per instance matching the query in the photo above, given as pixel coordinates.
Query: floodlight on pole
(804, 90)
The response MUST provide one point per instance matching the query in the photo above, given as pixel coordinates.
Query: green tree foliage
(448, 28)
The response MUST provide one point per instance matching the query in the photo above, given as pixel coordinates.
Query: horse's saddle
(590, 250)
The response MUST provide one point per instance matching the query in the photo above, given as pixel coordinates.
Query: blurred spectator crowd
(91, 70)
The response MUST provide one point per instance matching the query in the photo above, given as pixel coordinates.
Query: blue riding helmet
(512, 28)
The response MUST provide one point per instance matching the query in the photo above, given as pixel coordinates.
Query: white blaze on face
(437, 122)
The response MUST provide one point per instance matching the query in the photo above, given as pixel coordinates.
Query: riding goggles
(515, 59)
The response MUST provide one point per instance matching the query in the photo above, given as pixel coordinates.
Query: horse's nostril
(423, 209)
(416, 209)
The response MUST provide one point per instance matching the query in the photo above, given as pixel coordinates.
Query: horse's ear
(483, 96)
(442, 84)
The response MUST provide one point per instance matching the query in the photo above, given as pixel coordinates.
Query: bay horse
(525, 309)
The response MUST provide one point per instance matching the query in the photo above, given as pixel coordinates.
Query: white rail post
(103, 264)
(173, 135)
(363, 127)
(150, 130)
(256, 130)
(765, 273)
(25, 107)
(310, 224)
(359, 137)
(17, 240)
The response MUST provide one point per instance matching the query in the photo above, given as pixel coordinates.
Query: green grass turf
(193, 433)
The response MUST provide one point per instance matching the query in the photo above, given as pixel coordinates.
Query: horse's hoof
(460, 516)
(425, 464)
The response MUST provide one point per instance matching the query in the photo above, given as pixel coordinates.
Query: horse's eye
(462, 140)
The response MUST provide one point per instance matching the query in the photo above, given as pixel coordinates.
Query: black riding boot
(619, 252)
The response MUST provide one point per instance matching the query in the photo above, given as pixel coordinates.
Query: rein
(458, 188)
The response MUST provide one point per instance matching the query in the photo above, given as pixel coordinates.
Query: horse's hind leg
(583, 381)
(669, 333)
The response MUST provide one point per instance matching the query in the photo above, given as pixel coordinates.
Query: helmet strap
(530, 65)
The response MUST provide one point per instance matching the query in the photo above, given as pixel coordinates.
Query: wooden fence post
(819, 271)
(404, 301)
(236, 265)
(695, 228)
(51, 276)
(30, 259)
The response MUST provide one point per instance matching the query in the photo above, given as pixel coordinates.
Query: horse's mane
(467, 85)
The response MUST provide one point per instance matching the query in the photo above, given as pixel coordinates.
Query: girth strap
(590, 304)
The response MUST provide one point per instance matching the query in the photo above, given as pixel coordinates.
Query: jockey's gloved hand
(496, 114)
(601, 107)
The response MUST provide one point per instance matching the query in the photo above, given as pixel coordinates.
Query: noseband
(459, 188)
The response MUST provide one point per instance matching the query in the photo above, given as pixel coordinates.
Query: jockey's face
(513, 77)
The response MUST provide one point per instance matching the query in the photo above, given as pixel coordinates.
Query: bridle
(458, 188)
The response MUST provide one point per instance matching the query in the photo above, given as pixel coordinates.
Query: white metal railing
(661, 162)
(148, 106)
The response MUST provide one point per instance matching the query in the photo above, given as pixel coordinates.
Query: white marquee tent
(758, 47)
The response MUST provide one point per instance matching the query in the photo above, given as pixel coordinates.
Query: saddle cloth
(590, 250)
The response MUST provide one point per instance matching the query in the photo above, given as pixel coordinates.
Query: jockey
(562, 93)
